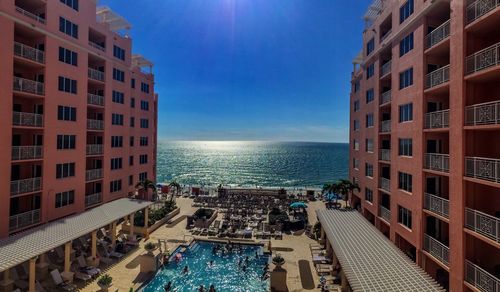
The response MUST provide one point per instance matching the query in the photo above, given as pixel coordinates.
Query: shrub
(278, 259)
(105, 280)
(149, 246)
(317, 230)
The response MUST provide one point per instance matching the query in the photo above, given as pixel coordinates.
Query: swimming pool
(225, 273)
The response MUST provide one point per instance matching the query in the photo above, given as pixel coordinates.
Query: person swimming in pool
(185, 270)
(201, 289)
(212, 288)
(211, 263)
(168, 287)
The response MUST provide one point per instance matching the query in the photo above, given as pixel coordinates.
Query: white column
(32, 274)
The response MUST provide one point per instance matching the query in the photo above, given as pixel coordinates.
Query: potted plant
(149, 247)
(105, 281)
(278, 260)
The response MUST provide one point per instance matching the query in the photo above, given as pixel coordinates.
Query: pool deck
(294, 248)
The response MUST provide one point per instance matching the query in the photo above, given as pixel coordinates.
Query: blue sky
(249, 69)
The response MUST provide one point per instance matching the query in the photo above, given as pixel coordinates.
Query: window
(368, 170)
(405, 11)
(66, 113)
(116, 141)
(406, 112)
(116, 163)
(405, 147)
(355, 144)
(143, 141)
(118, 97)
(118, 75)
(68, 56)
(356, 105)
(67, 85)
(71, 3)
(404, 216)
(132, 122)
(355, 163)
(65, 170)
(132, 83)
(143, 159)
(66, 141)
(370, 46)
(357, 86)
(130, 180)
(370, 70)
(144, 123)
(406, 45)
(144, 105)
(118, 53)
(370, 95)
(369, 120)
(143, 176)
(356, 125)
(144, 87)
(406, 78)
(405, 181)
(115, 186)
(68, 27)
(131, 160)
(369, 195)
(132, 102)
(117, 119)
(369, 145)
(131, 141)
(65, 198)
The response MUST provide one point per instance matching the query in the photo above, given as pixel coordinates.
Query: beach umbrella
(331, 196)
(298, 205)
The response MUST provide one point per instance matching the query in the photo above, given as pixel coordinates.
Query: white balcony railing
(93, 174)
(386, 68)
(437, 77)
(93, 199)
(483, 224)
(437, 249)
(385, 184)
(483, 114)
(436, 204)
(28, 185)
(96, 74)
(480, 278)
(479, 8)
(385, 126)
(483, 59)
(385, 35)
(385, 214)
(24, 219)
(437, 35)
(483, 168)
(27, 119)
(28, 86)
(95, 124)
(385, 97)
(29, 53)
(385, 154)
(437, 119)
(30, 15)
(437, 162)
(26, 152)
(95, 99)
(97, 46)
(95, 149)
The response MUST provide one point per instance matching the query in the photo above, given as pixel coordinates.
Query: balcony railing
(385, 35)
(437, 249)
(385, 184)
(385, 154)
(481, 279)
(385, 97)
(385, 126)
(483, 59)
(97, 46)
(26, 152)
(95, 124)
(386, 68)
(437, 162)
(95, 99)
(24, 219)
(95, 149)
(483, 168)
(436, 204)
(28, 185)
(479, 8)
(483, 114)
(437, 119)
(437, 77)
(93, 174)
(385, 214)
(28, 52)
(96, 74)
(28, 86)
(93, 199)
(27, 119)
(483, 224)
(30, 15)
(437, 35)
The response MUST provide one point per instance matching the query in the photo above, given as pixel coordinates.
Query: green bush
(105, 280)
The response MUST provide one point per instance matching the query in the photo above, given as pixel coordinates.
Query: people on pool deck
(201, 289)
(168, 287)
(185, 270)
(212, 288)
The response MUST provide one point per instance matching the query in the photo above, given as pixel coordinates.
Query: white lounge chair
(81, 276)
(113, 254)
(60, 283)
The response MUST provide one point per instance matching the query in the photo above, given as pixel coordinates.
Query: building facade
(78, 112)
(425, 135)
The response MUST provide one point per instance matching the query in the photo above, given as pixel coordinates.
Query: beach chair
(323, 269)
(80, 276)
(60, 283)
(105, 259)
(112, 254)
(89, 270)
(204, 232)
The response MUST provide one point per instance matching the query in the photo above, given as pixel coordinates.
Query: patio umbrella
(298, 205)
(332, 197)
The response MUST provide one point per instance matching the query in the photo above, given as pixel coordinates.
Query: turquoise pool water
(225, 273)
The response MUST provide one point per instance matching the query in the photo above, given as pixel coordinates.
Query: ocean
(266, 164)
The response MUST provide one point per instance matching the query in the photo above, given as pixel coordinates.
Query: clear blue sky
(249, 69)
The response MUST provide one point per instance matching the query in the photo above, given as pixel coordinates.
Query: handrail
(26, 152)
(93, 174)
(385, 97)
(93, 199)
(30, 15)
(437, 162)
(27, 185)
(27, 119)
(483, 168)
(21, 220)
(95, 74)
(95, 149)
(482, 223)
(385, 126)
(437, 249)
(97, 46)
(385, 184)
(487, 113)
(386, 68)
(436, 204)
(28, 52)
(385, 154)
(438, 34)
(437, 119)
(95, 99)
(479, 8)
(95, 124)
(437, 77)
(28, 86)
(385, 214)
(480, 278)
(483, 59)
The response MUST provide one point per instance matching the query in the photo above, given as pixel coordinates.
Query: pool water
(225, 273)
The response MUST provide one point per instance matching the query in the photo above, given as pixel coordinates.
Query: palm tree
(333, 188)
(348, 188)
(174, 185)
(146, 185)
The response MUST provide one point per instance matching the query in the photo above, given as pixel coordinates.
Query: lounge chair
(112, 254)
(60, 283)
(89, 270)
(204, 232)
(323, 269)
(81, 276)
(105, 259)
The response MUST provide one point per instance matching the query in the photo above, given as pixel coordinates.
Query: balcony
(487, 113)
(437, 205)
(96, 74)
(482, 223)
(385, 184)
(28, 86)
(23, 186)
(437, 119)
(483, 59)
(385, 126)
(437, 161)
(385, 97)
(479, 8)
(385, 69)
(95, 149)
(437, 77)
(97, 46)
(27, 152)
(385, 214)
(22, 220)
(385, 154)
(27, 119)
(483, 168)
(30, 15)
(93, 174)
(95, 124)
(30, 53)
(437, 35)
(95, 99)
(385, 35)
(437, 249)
(93, 199)
(481, 279)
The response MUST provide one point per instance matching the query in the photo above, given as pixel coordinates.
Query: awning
(21, 247)
(371, 262)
